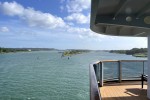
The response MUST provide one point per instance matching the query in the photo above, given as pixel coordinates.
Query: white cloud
(84, 33)
(47, 20)
(31, 16)
(77, 5)
(4, 29)
(79, 18)
(37, 18)
(70, 24)
(11, 8)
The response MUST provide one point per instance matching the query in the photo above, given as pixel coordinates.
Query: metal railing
(114, 70)
(94, 90)
(118, 70)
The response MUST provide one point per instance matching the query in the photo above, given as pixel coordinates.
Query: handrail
(96, 75)
(123, 60)
(94, 90)
(99, 69)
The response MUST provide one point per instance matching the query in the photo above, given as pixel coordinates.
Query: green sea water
(44, 75)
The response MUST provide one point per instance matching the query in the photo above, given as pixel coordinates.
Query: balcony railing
(114, 70)
(94, 90)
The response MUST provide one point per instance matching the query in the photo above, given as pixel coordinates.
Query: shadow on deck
(129, 90)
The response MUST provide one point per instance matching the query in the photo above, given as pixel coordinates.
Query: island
(73, 52)
(136, 52)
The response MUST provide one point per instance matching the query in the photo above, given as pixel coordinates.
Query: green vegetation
(137, 52)
(13, 50)
(73, 52)
(7, 50)
(140, 55)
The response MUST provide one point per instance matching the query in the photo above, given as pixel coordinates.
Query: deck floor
(124, 91)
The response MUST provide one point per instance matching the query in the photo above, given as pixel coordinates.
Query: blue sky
(60, 24)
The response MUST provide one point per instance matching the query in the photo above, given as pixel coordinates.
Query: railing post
(94, 90)
(143, 67)
(101, 73)
(120, 71)
(95, 69)
(98, 74)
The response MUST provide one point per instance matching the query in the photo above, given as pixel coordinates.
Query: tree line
(131, 52)
(7, 50)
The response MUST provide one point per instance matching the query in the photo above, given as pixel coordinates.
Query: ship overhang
(121, 17)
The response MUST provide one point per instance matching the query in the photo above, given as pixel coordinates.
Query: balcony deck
(130, 90)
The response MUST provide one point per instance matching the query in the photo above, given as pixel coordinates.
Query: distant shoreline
(136, 52)
(16, 50)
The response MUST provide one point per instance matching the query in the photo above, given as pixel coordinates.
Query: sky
(60, 24)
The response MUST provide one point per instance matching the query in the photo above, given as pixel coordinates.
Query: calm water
(47, 76)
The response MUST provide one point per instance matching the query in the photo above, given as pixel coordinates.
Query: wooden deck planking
(124, 91)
